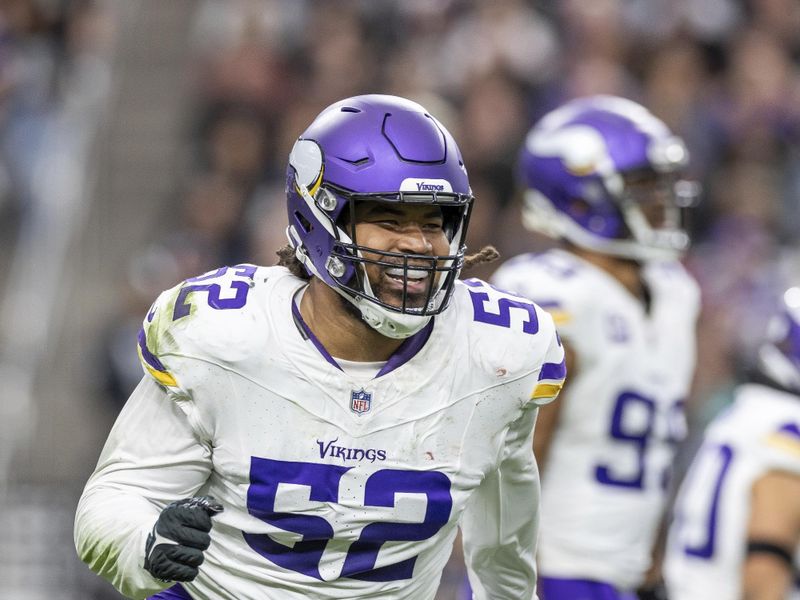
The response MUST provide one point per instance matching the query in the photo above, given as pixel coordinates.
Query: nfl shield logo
(360, 401)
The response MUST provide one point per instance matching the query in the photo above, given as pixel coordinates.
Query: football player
(319, 429)
(736, 527)
(602, 175)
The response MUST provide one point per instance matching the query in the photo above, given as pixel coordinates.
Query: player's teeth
(412, 273)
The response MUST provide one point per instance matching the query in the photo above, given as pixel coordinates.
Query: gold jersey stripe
(786, 443)
(560, 317)
(546, 390)
(163, 377)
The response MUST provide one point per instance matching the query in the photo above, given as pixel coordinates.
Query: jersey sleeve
(552, 373)
(500, 523)
(156, 341)
(780, 448)
(205, 319)
(152, 457)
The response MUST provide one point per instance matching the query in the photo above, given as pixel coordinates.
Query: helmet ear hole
(304, 223)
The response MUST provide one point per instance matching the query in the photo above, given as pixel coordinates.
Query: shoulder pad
(512, 333)
(202, 317)
(783, 444)
(556, 281)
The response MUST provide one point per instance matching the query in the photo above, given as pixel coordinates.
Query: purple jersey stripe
(790, 429)
(548, 304)
(407, 350)
(148, 356)
(176, 592)
(553, 371)
(551, 588)
(298, 318)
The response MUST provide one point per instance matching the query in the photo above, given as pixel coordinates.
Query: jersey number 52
(322, 481)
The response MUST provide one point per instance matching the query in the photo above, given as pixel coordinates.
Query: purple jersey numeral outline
(706, 549)
(183, 307)
(323, 481)
(638, 440)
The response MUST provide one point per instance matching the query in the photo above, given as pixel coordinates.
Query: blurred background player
(602, 175)
(311, 408)
(736, 528)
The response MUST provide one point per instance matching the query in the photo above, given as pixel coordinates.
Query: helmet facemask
(654, 208)
(433, 275)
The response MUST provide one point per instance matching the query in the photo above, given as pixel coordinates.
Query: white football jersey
(605, 482)
(335, 484)
(760, 432)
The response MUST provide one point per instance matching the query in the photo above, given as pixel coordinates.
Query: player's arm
(152, 457)
(547, 421)
(773, 533)
(500, 524)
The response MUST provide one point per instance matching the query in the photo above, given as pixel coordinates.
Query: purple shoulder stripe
(790, 429)
(148, 356)
(553, 371)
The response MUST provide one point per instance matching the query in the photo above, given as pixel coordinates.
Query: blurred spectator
(506, 35)
(235, 143)
(211, 214)
(156, 268)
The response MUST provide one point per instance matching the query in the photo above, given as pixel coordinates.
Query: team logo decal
(360, 401)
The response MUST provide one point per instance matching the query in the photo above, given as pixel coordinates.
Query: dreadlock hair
(485, 255)
(287, 258)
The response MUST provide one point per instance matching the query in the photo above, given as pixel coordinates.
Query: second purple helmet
(383, 148)
(580, 165)
(779, 356)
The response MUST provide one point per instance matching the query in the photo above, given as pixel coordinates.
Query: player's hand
(175, 547)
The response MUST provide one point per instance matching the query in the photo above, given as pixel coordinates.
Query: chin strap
(391, 324)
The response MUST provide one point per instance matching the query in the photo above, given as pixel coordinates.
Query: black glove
(175, 547)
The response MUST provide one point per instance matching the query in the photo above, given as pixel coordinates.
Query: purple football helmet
(376, 148)
(779, 357)
(579, 167)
